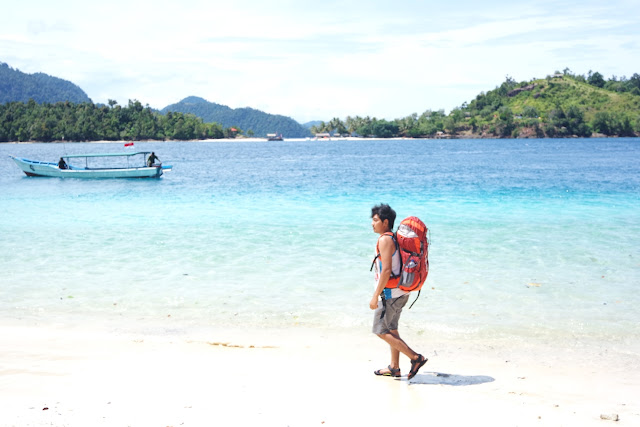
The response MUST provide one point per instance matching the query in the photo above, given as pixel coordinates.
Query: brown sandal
(392, 372)
(416, 365)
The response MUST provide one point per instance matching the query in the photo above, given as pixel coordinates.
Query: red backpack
(413, 243)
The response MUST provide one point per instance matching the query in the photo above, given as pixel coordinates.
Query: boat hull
(36, 168)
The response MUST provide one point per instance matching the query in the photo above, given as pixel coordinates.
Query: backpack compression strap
(414, 301)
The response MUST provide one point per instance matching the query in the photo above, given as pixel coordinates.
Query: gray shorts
(389, 321)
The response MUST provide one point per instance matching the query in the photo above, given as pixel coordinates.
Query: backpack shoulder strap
(395, 242)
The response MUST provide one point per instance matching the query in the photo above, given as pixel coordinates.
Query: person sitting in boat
(62, 164)
(152, 159)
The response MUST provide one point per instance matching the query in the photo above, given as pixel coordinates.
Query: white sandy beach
(70, 377)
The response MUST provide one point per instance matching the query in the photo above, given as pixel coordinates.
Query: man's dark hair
(384, 211)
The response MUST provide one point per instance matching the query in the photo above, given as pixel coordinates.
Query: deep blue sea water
(530, 238)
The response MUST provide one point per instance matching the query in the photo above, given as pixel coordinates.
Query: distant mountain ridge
(42, 88)
(247, 119)
(312, 123)
(560, 105)
(16, 86)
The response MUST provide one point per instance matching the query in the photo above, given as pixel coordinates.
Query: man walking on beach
(388, 300)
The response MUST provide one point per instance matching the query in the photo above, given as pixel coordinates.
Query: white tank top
(396, 261)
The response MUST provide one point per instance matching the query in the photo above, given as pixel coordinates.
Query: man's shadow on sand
(439, 378)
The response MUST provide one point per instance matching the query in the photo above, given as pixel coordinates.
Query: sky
(315, 60)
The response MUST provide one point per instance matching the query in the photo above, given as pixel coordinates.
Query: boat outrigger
(110, 165)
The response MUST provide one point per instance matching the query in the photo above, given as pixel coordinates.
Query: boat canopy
(106, 155)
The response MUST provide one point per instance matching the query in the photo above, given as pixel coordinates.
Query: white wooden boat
(109, 165)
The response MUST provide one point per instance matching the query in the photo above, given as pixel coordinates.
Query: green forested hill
(561, 105)
(250, 121)
(18, 86)
(312, 123)
(558, 106)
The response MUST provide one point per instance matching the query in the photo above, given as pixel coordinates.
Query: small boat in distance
(274, 137)
(109, 165)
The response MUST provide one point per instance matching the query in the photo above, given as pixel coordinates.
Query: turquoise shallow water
(530, 239)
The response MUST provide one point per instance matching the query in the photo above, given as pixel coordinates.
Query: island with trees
(560, 105)
(66, 121)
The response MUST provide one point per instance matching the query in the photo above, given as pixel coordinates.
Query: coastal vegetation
(560, 105)
(38, 107)
(46, 122)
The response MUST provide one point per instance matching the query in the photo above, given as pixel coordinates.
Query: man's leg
(386, 328)
(395, 356)
(398, 346)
